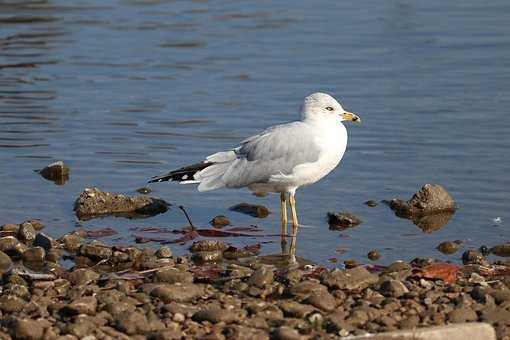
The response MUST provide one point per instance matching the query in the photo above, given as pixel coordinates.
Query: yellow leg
(295, 224)
(284, 220)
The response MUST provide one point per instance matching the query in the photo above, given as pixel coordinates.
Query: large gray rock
(431, 199)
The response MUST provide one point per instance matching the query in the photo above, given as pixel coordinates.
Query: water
(124, 90)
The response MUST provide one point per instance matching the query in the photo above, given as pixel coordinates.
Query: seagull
(280, 159)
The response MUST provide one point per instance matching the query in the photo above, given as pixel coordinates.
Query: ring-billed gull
(280, 159)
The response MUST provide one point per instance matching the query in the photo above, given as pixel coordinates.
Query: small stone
(398, 270)
(371, 203)
(164, 252)
(448, 247)
(473, 257)
(27, 329)
(57, 172)
(430, 199)
(295, 309)
(44, 241)
(177, 292)
(34, 254)
(501, 250)
(374, 255)
(202, 257)
(82, 276)
(26, 233)
(96, 251)
(132, 323)
(220, 221)
(179, 317)
(10, 227)
(484, 250)
(393, 288)
(342, 220)
(71, 242)
(208, 245)
(11, 246)
(11, 304)
(215, 315)
(84, 305)
(351, 279)
(144, 190)
(321, 299)
(462, 314)
(262, 277)
(172, 275)
(5, 262)
(304, 289)
(254, 210)
(286, 333)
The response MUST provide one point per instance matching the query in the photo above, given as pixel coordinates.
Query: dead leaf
(440, 271)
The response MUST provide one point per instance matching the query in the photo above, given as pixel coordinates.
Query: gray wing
(275, 151)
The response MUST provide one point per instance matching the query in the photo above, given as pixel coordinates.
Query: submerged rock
(501, 250)
(448, 247)
(254, 210)
(374, 255)
(57, 172)
(431, 199)
(342, 220)
(94, 202)
(220, 221)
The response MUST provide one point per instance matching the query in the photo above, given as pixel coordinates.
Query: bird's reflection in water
(287, 258)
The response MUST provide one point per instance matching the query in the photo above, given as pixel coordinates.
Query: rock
(342, 220)
(144, 190)
(34, 254)
(57, 172)
(462, 314)
(172, 275)
(208, 245)
(254, 210)
(501, 250)
(82, 276)
(84, 305)
(431, 199)
(351, 279)
(321, 299)
(448, 247)
(96, 251)
(371, 203)
(473, 257)
(27, 329)
(304, 289)
(295, 309)
(5, 262)
(132, 323)
(262, 277)
(71, 242)
(11, 304)
(11, 246)
(220, 221)
(374, 255)
(26, 233)
(286, 333)
(93, 202)
(177, 292)
(215, 314)
(10, 228)
(398, 270)
(202, 257)
(164, 252)
(44, 241)
(393, 288)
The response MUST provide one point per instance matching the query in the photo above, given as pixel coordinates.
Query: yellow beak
(351, 116)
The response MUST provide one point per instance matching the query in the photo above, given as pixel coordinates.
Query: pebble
(473, 257)
(501, 250)
(177, 292)
(262, 277)
(254, 210)
(172, 275)
(34, 254)
(342, 220)
(26, 233)
(215, 314)
(27, 329)
(164, 252)
(371, 203)
(220, 221)
(44, 241)
(374, 255)
(351, 279)
(393, 288)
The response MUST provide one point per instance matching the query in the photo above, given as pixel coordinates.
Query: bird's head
(323, 106)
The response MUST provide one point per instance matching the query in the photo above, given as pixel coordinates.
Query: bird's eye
(329, 108)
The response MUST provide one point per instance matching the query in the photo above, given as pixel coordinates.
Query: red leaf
(442, 271)
(206, 273)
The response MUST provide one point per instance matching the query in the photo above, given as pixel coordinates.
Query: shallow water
(124, 90)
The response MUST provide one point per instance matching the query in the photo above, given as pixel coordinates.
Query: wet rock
(484, 250)
(173, 275)
(448, 247)
(93, 202)
(399, 270)
(27, 329)
(321, 299)
(462, 314)
(34, 254)
(11, 304)
(295, 309)
(5, 262)
(473, 257)
(304, 289)
(26, 233)
(11, 246)
(501, 250)
(96, 251)
(350, 279)
(44, 241)
(82, 276)
(262, 277)
(215, 314)
(144, 190)
(132, 323)
(342, 220)
(431, 199)
(164, 252)
(57, 172)
(208, 245)
(254, 210)
(177, 292)
(374, 255)
(393, 288)
(203, 257)
(10, 228)
(84, 305)
(371, 203)
(220, 221)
